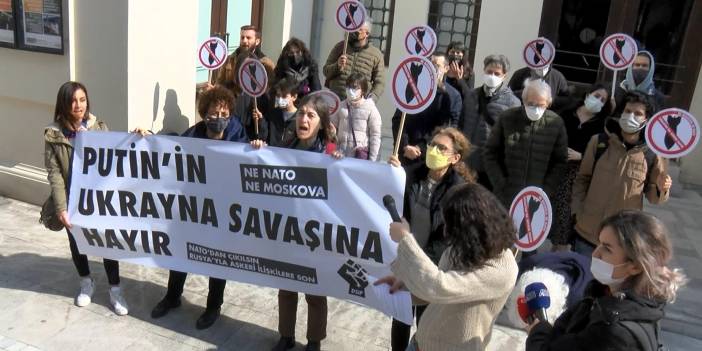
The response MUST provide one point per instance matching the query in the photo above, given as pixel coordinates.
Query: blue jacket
(233, 132)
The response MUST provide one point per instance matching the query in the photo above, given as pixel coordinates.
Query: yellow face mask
(435, 159)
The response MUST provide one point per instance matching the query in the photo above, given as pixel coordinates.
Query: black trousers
(81, 263)
(176, 282)
(400, 332)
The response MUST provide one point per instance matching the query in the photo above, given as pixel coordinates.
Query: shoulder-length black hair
(320, 105)
(64, 100)
(477, 226)
(282, 65)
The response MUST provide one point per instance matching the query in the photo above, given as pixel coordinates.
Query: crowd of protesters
(465, 157)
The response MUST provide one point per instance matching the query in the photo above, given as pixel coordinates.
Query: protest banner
(274, 217)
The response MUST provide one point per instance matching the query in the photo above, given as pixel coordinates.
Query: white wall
(691, 170)
(162, 45)
(505, 27)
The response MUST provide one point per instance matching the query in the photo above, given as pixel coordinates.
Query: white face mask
(593, 104)
(281, 102)
(541, 72)
(629, 124)
(602, 271)
(353, 94)
(492, 81)
(534, 113)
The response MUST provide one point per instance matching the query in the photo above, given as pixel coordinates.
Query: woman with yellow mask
(426, 185)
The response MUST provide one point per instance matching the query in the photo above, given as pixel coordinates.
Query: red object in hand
(523, 309)
(330, 148)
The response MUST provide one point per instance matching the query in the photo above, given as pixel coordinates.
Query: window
(35, 25)
(455, 20)
(381, 14)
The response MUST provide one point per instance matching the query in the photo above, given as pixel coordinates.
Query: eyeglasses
(443, 148)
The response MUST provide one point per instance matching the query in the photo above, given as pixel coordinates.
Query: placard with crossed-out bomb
(420, 41)
(414, 84)
(532, 215)
(539, 53)
(253, 77)
(618, 51)
(350, 15)
(213, 53)
(672, 133)
(331, 99)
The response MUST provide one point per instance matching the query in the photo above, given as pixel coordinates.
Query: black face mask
(295, 60)
(353, 38)
(639, 75)
(217, 125)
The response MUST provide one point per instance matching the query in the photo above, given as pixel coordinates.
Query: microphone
(389, 203)
(538, 300)
(524, 311)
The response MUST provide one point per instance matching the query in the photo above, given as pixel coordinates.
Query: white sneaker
(87, 288)
(119, 305)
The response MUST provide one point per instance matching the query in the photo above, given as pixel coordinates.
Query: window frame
(378, 34)
(472, 23)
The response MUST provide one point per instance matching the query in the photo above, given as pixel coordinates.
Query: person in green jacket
(528, 146)
(362, 57)
(72, 116)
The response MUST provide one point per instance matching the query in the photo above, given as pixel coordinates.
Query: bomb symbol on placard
(252, 70)
(349, 16)
(539, 51)
(213, 49)
(531, 209)
(415, 71)
(673, 123)
(420, 38)
(620, 45)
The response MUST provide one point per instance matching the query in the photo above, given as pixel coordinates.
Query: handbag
(358, 152)
(48, 216)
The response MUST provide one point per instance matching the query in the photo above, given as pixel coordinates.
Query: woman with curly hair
(296, 64)
(623, 307)
(475, 275)
(425, 186)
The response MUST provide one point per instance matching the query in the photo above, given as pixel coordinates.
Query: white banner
(274, 217)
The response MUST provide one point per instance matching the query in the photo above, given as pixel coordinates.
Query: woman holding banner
(214, 106)
(425, 187)
(313, 132)
(71, 116)
(475, 275)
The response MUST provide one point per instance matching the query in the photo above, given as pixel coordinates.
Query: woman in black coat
(623, 307)
(296, 64)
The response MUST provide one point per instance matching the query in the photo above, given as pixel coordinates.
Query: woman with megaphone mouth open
(623, 306)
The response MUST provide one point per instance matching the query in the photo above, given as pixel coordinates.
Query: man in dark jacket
(362, 57)
(528, 146)
(487, 103)
(445, 110)
(553, 77)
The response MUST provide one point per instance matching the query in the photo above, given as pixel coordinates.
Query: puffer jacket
(618, 180)
(366, 123)
(597, 323)
(367, 60)
(521, 153)
(58, 151)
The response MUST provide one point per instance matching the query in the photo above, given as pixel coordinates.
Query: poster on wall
(7, 23)
(42, 24)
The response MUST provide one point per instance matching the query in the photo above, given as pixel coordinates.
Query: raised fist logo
(355, 275)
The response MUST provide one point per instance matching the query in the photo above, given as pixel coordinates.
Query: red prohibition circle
(547, 218)
(430, 93)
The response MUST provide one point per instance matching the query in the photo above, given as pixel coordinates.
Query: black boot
(207, 318)
(313, 346)
(162, 307)
(285, 343)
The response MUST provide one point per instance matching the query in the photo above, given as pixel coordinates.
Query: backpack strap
(600, 148)
(645, 336)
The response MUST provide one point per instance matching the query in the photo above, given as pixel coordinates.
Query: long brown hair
(645, 241)
(64, 101)
(462, 147)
